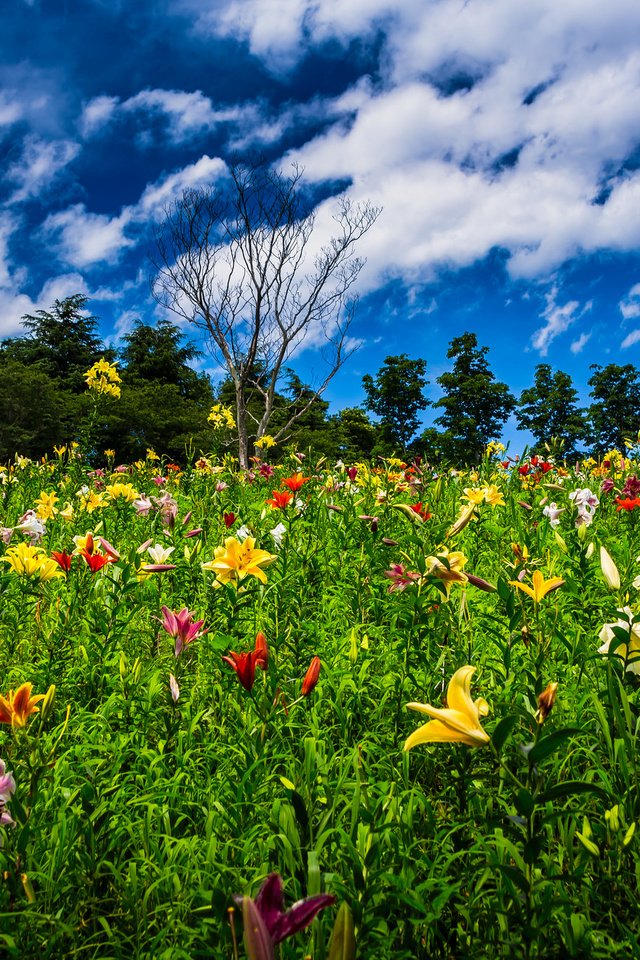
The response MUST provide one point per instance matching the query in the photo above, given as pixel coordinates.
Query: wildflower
(168, 508)
(237, 560)
(447, 566)
(311, 677)
(221, 416)
(295, 482)
(630, 503)
(17, 706)
(459, 721)
(160, 554)
(32, 525)
(95, 560)
(91, 501)
(103, 378)
(174, 689)
(493, 496)
(473, 495)
(25, 560)
(269, 903)
(181, 626)
(265, 442)
(277, 533)
(45, 504)
(421, 510)
(552, 513)
(7, 788)
(266, 470)
(229, 519)
(466, 514)
(629, 648)
(401, 578)
(244, 665)
(63, 559)
(122, 491)
(541, 587)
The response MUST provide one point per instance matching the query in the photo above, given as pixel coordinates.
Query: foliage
(475, 404)
(549, 411)
(195, 746)
(615, 413)
(62, 342)
(396, 396)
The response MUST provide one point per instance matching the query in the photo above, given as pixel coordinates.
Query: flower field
(371, 710)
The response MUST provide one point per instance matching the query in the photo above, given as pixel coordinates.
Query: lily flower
(279, 923)
(181, 626)
(237, 560)
(459, 721)
(244, 665)
(295, 482)
(280, 499)
(17, 706)
(541, 587)
(447, 566)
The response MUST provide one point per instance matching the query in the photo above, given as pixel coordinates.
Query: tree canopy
(396, 396)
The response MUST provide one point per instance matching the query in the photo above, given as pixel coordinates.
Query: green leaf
(570, 788)
(502, 731)
(548, 745)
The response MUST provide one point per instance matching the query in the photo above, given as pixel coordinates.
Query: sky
(501, 140)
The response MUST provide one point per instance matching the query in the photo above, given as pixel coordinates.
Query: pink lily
(181, 626)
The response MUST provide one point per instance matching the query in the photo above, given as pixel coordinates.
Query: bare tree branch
(235, 263)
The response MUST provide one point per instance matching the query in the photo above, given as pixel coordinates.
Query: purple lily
(280, 924)
(181, 626)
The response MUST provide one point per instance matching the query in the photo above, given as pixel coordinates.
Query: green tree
(396, 396)
(475, 404)
(164, 402)
(62, 342)
(548, 409)
(357, 435)
(33, 411)
(615, 413)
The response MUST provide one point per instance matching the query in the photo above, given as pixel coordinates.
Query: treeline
(165, 403)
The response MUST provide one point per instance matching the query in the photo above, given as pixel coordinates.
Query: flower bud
(546, 701)
(609, 570)
(311, 677)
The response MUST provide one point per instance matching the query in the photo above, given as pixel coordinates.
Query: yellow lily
(541, 587)
(28, 561)
(451, 570)
(237, 560)
(459, 721)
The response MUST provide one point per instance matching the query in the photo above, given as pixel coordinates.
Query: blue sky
(501, 139)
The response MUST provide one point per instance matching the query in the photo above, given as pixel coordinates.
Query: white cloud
(187, 114)
(630, 305)
(85, 238)
(41, 162)
(578, 345)
(156, 196)
(630, 339)
(96, 114)
(557, 319)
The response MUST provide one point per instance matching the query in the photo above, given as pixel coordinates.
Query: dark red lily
(280, 924)
(96, 561)
(63, 559)
(229, 519)
(244, 665)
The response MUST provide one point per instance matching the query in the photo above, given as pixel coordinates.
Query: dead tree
(238, 263)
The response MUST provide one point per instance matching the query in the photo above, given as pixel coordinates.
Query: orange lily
(17, 707)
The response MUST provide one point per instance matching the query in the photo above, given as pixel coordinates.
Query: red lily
(261, 650)
(229, 519)
(295, 482)
(63, 559)
(630, 503)
(280, 499)
(96, 561)
(244, 665)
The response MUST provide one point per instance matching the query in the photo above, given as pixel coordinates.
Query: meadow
(204, 717)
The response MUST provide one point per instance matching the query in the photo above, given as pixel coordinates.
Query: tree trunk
(241, 423)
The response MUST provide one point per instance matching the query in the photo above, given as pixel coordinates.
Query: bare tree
(238, 263)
